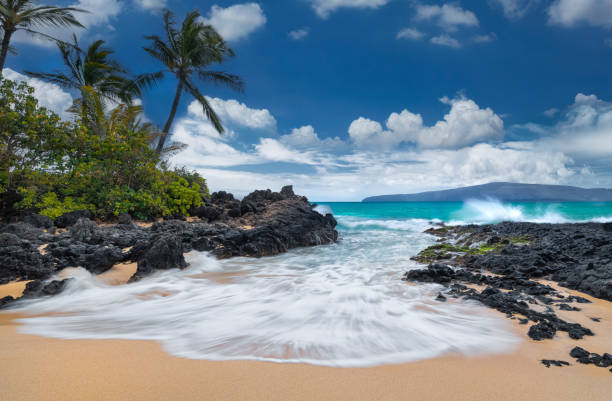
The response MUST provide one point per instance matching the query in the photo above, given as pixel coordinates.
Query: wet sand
(37, 368)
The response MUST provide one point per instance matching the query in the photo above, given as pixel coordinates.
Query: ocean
(336, 305)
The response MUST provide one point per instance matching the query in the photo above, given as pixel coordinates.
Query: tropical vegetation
(107, 158)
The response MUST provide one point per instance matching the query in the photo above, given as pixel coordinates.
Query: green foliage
(51, 206)
(56, 167)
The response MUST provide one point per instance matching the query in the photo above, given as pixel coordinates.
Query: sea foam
(338, 305)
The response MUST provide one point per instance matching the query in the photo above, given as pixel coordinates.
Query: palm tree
(96, 76)
(188, 52)
(26, 15)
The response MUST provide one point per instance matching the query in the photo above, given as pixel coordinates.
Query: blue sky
(350, 98)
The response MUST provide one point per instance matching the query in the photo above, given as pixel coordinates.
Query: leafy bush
(55, 167)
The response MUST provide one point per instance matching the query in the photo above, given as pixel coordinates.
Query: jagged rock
(550, 362)
(68, 219)
(287, 191)
(585, 357)
(234, 212)
(165, 252)
(38, 220)
(124, 219)
(541, 331)
(85, 230)
(6, 301)
(208, 213)
(247, 207)
(276, 224)
(40, 288)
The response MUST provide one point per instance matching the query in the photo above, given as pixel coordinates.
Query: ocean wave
(339, 305)
(494, 211)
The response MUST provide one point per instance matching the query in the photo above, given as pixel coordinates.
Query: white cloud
(100, 14)
(152, 5)
(446, 40)
(584, 131)
(514, 9)
(299, 34)
(51, 96)
(324, 8)
(410, 33)
(373, 173)
(465, 124)
(461, 149)
(306, 138)
(236, 22)
(486, 38)
(270, 149)
(569, 13)
(236, 114)
(551, 112)
(448, 16)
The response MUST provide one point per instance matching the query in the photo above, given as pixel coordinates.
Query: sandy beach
(37, 368)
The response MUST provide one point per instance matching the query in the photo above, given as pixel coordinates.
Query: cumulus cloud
(370, 173)
(569, 13)
(299, 34)
(324, 8)
(449, 16)
(465, 124)
(51, 96)
(514, 9)
(410, 33)
(236, 114)
(584, 131)
(236, 22)
(445, 40)
(463, 148)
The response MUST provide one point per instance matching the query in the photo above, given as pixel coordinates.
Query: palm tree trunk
(6, 40)
(177, 97)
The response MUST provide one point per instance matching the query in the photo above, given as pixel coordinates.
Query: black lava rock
(40, 288)
(38, 220)
(550, 362)
(68, 219)
(541, 331)
(166, 252)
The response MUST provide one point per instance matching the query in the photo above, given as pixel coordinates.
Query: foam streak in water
(338, 305)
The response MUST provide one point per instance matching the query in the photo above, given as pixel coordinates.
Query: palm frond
(209, 112)
(222, 78)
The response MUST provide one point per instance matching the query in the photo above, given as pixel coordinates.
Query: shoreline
(141, 370)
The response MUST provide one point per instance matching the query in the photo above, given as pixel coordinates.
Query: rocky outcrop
(508, 258)
(264, 223)
(577, 256)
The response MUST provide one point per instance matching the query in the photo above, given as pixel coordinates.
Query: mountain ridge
(504, 191)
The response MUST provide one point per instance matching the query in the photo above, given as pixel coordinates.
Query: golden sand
(37, 368)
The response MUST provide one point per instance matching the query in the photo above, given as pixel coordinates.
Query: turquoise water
(343, 304)
(474, 211)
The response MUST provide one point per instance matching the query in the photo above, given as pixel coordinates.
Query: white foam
(337, 305)
(323, 209)
(494, 211)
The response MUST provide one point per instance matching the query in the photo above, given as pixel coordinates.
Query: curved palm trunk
(6, 40)
(177, 97)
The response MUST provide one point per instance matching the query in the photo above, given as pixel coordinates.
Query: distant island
(504, 191)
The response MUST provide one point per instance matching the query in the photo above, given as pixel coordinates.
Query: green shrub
(58, 167)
